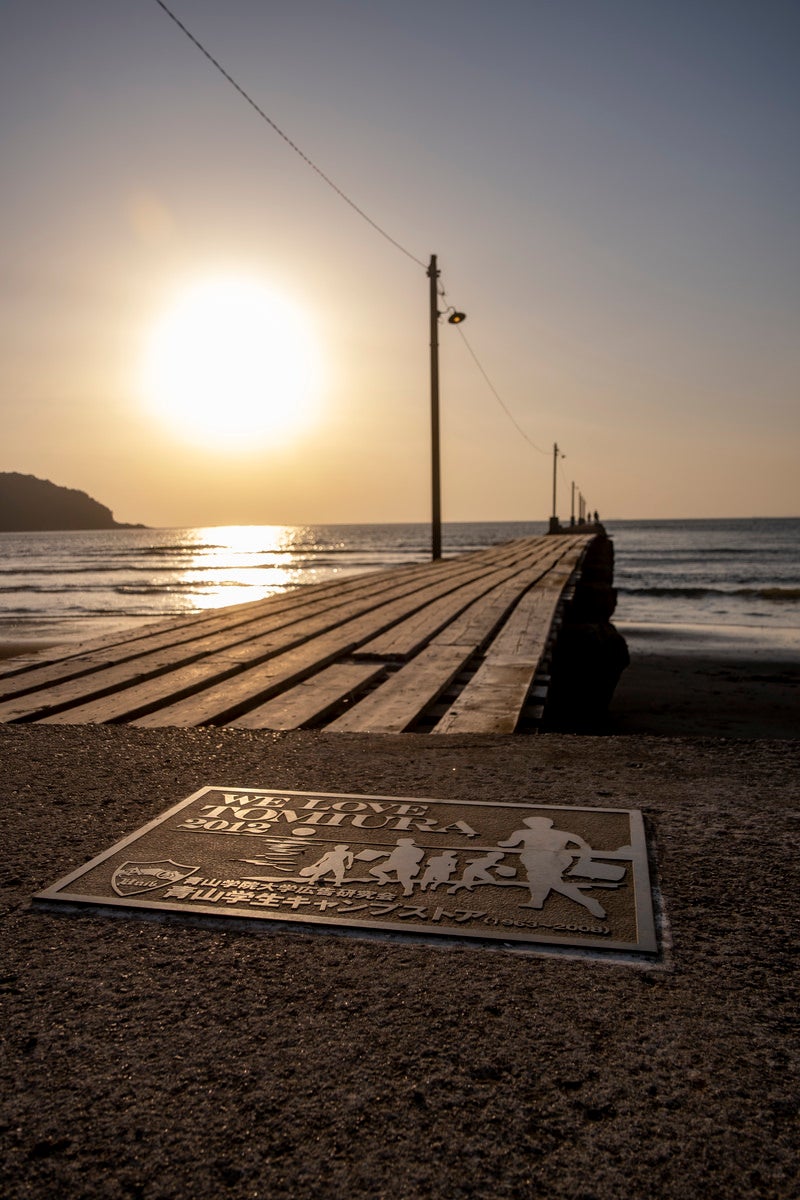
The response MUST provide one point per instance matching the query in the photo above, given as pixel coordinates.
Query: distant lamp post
(453, 318)
(555, 525)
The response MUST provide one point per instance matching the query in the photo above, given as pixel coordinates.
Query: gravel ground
(154, 1060)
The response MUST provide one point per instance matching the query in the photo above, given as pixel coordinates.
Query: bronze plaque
(515, 873)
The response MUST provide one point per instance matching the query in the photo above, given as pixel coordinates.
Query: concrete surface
(154, 1060)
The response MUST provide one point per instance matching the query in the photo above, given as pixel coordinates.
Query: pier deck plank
(407, 639)
(234, 669)
(494, 698)
(314, 698)
(418, 684)
(188, 663)
(372, 652)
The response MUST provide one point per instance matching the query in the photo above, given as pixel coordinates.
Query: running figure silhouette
(335, 862)
(438, 870)
(477, 871)
(545, 857)
(404, 861)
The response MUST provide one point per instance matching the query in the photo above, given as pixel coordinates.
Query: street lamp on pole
(454, 318)
(555, 526)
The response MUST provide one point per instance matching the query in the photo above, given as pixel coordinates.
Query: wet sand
(697, 681)
(15, 647)
(679, 695)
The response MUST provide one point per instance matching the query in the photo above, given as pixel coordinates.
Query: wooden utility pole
(554, 526)
(436, 486)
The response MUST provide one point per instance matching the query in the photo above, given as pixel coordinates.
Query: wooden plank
(172, 666)
(493, 699)
(480, 621)
(406, 639)
(280, 661)
(312, 699)
(402, 699)
(97, 656)
(148, 636)
(525, 633)
(405, 695)
(218, 689)
(55, 663)
(181, 633)
(168, 672)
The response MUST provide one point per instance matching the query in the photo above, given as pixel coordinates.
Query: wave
(777, 594)
(642, 555)
(180, 586)
(304, 549)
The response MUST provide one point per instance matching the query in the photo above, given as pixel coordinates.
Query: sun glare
(231, 364)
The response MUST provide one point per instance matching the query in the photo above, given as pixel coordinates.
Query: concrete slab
(153, 1060)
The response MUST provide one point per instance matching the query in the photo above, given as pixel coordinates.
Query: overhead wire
(498, 397)
(308, 161)
(343, 196)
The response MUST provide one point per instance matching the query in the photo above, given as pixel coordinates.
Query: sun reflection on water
(235, 564)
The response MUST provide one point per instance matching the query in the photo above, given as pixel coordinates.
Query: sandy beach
(702, 695)
(15, 647)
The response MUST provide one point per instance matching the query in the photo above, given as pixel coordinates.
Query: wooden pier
(456, 646)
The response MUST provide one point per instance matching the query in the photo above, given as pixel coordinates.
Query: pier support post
(590, 653)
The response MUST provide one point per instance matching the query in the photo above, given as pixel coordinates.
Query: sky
(610, 187)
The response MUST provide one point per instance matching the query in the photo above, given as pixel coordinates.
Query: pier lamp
(453, 318)
(555, 524)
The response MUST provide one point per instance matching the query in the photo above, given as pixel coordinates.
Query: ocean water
(687, 582)
(721, 585)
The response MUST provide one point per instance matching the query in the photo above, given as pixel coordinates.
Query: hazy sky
(611, 187)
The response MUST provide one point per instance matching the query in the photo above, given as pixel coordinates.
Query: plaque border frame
(647, 943)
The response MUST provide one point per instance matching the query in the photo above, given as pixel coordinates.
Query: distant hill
(28, 504)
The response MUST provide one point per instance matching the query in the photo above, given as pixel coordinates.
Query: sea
(690, 585)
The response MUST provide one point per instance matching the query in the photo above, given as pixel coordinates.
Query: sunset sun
(231, 363)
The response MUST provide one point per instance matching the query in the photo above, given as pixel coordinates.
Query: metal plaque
(513, 873)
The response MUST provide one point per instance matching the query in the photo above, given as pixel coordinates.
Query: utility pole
(554, 527)
(572, 507)
(436, 487)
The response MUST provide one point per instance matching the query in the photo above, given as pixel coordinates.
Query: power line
(343, 196)
(499, 398)
(279, 131)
